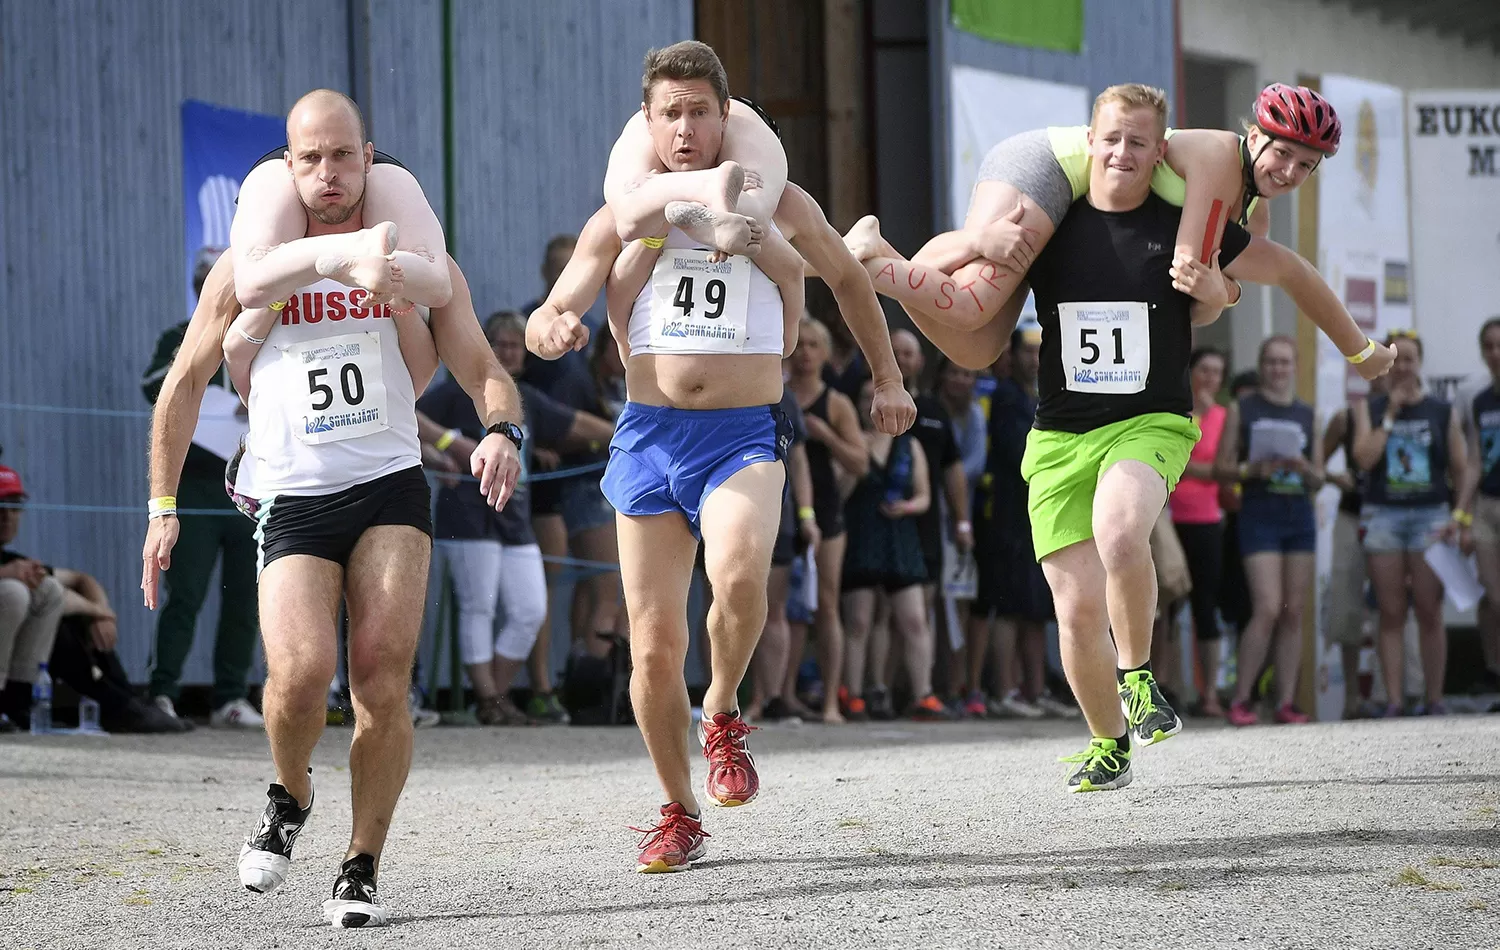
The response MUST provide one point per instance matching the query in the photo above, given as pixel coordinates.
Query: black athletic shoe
(266, 855)
(1149, 715)
(776, 710)
(354, 902)
(879, 706)
(1102, 767)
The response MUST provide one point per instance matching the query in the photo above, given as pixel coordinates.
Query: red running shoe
(1287, 714)
(673, 844)
(732, 779)
(1241, 714)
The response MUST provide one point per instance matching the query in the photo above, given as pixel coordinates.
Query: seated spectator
(493, 556)
(61, 616)
(1277, 525)
(1410, 443)
(885, 553)
(31, 604)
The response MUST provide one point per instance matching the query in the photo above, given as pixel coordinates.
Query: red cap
(10, 483)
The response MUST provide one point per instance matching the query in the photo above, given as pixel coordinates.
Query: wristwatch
(508, 429)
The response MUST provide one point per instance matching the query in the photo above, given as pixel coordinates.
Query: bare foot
(381, 276)
(724, 231)
(366, 262)
(731, 182)
(864, 240)
(377, 241)
(832, 717)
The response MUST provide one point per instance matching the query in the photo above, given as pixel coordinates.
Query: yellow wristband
(1463, 518)
(807, 513)
(1363, 354)
(654, 243)
(165, 505)
(277, 304)
(446, 439)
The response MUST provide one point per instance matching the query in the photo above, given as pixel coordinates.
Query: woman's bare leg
(751, 144)
(1427, 601)
(859, 617)
(393, 194)
(909, 616)
(273, 257)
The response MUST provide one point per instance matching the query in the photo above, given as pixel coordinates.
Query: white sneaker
(420, 717)
(235, 714)
(1055, 708)
(1015, 707)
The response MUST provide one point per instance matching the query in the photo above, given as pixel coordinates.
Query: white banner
(1364, 253)
(1454, 141)
(988, 107)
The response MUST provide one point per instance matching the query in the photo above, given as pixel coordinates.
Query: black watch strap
(508, 429)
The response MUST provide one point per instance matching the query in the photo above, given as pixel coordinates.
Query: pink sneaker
(1241, 714)
(1287, 714)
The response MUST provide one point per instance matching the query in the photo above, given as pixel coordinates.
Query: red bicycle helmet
(1300, 115)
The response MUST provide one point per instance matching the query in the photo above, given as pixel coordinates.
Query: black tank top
(1259, 419)
(1486, 422)
(820, 467)
(1413, 469)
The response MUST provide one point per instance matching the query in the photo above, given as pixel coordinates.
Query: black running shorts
(329, 526)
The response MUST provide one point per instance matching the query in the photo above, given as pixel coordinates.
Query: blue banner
(218, 146)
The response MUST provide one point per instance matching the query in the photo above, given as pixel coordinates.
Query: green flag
(1048, 24)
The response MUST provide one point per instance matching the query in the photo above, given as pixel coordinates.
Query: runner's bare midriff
(704, 381)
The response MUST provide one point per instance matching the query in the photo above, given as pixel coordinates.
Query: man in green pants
(202, 539)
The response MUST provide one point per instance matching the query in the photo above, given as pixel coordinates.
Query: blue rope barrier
(146, 414)
(78, 411)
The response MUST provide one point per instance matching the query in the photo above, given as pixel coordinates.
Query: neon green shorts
(1062, 470)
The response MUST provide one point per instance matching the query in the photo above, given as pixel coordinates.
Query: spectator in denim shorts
(1411, 444)
(1278, 531)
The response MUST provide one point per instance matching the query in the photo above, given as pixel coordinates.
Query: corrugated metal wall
(91, 218)
(545, 89)
(1122, 42)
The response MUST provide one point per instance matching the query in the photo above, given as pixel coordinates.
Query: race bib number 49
(338, 388)
(1106, 347)
(698, 306)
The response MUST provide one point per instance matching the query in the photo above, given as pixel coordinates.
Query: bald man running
(331, 472)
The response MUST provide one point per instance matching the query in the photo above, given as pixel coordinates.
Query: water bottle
(88, 717)
(41, 702)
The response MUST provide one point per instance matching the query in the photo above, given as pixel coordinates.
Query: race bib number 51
(1106, 347)
(338, 388)
(698, 306)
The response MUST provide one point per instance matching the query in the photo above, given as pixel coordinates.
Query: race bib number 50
(1106, 347)
(338, 388)
(698, 306)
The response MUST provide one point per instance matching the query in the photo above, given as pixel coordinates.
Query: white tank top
(692, 306)
(331, 401)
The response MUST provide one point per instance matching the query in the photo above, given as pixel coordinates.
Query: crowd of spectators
(903, 582)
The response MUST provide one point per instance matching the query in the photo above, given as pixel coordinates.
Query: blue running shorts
(663, 460)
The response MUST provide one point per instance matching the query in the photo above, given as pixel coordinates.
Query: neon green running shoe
(1102, 767)
(1147, 712)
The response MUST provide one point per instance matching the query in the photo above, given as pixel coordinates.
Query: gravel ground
(1343, 835)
